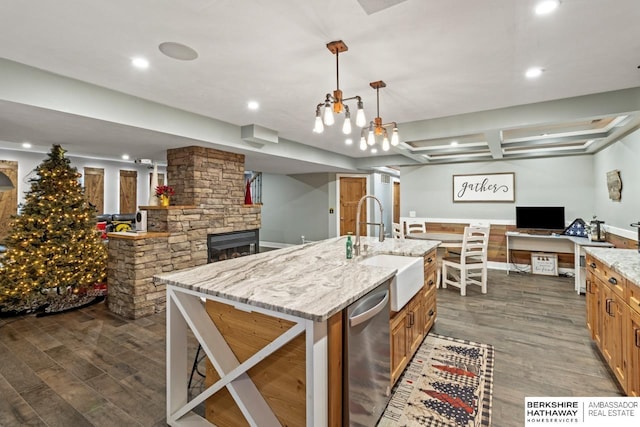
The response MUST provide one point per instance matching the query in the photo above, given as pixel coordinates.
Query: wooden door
(160, 181)
(396, 202)
(128, 191)
(94, 188)
(633, 351)
(8, 199)
(351, 191)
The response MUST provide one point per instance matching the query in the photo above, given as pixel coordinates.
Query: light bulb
(385, 144)
(346, 126)
(395, 139)
(547, 6)
(318, 127)
(363, 144)
(371, 138)
(328, 115)
(360, 119)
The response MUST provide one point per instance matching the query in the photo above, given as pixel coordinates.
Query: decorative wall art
(614, 185)
(493, 187)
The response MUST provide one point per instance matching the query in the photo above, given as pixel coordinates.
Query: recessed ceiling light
(125, 157)
(454, 143)
(348, 141)
(533, 72)
(26, 145)
(178, 51)
(546, 6)
(253, 105)
(374, 150)
(140, 63)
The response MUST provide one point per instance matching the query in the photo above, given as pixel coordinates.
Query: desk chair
(470, 267)
(396, 230)
(415, 226)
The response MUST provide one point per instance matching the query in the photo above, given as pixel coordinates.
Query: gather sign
(494, 187)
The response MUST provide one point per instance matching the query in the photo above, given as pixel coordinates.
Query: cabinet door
(633, 352)
(399, 347)
(606, 325)
(593, 308)
(415, 316)
(620, 311)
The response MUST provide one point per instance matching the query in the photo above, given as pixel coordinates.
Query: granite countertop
(623, 261)
(312, 281)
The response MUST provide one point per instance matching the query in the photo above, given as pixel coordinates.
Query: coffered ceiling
(454, 71)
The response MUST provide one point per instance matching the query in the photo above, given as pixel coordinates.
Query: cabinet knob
(592, 265)
(429, 260)
(431, 283)
(613, 280)
(431, 313)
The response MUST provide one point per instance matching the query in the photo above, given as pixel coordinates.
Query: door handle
(363, 317)
(637, 337)
(606, 306)
(589, 286)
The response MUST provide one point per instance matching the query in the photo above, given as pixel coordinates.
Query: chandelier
(334, 104)
(376, 128)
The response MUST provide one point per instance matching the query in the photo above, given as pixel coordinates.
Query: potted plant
(164, 192)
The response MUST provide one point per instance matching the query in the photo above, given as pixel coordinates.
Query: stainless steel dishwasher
(367, 364)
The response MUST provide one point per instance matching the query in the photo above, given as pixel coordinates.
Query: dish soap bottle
(349, 247)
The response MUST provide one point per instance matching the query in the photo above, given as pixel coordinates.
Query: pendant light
(334, 103)
(377, 128)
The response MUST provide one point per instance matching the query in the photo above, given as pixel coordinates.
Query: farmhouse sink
(408, 280)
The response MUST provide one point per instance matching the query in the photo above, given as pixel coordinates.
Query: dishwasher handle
(371, 312)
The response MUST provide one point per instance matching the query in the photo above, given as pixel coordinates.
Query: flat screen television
(540, 217)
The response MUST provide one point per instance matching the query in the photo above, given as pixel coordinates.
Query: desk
(449, 240)
(555, 243)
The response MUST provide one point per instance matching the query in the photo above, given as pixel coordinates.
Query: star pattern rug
(447, 384)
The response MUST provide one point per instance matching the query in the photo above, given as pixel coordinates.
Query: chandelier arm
(353, 97)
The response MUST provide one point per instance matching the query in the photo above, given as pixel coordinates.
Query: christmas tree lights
(54, 247)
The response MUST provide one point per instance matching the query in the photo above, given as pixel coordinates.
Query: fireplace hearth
(223, 246)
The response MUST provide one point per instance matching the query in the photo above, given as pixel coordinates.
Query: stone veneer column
(214, 181)
(209, 199)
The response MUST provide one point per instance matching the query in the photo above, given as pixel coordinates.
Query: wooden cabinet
(614, 322)
(593, 307)
(633, 352)
(411, 324)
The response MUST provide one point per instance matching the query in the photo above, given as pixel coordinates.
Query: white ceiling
(438, 58)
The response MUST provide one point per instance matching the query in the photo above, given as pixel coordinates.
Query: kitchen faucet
(356, 245)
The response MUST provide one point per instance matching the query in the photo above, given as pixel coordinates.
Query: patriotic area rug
(448, 383)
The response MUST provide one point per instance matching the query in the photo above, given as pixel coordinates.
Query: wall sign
(494, 187)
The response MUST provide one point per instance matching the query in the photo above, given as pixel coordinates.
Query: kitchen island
(300, 293)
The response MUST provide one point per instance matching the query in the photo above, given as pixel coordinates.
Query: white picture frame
(492, 187)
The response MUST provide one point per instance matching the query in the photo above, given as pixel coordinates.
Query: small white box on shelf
(544, 263)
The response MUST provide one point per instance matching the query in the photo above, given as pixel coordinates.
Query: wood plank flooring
(92, 368)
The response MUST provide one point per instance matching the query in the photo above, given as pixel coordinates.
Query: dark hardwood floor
(92, 368)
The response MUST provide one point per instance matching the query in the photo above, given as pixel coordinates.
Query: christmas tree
(53, 250)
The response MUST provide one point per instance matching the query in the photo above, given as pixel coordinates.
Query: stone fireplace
(209, 200)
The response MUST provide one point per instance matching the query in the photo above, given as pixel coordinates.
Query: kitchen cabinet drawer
(613, 279)
(633, 292)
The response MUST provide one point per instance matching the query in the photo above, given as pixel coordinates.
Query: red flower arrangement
(164, 190)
